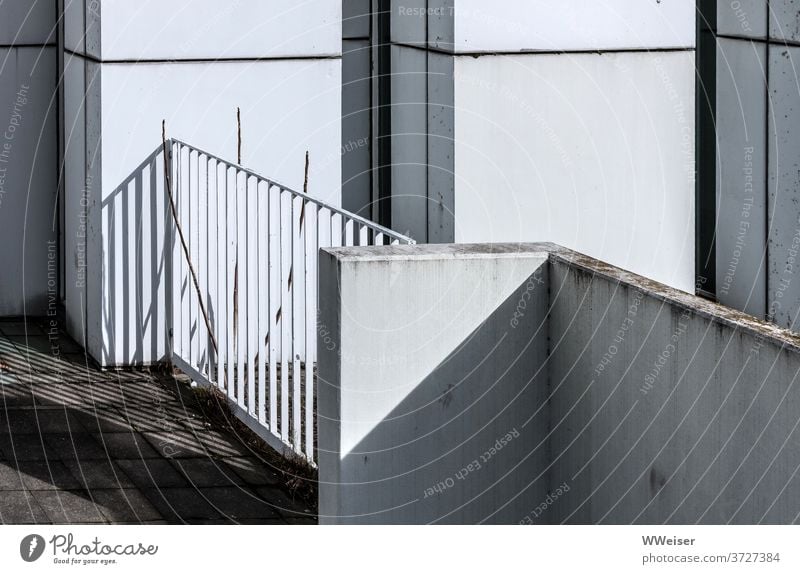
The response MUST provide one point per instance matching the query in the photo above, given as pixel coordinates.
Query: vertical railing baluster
(349, 232)
(251, 318)
(186, 282)
(177, 257)
(337, 233)
(219, 267)
(274, 267)
(262, 264)
(324, 225)
(201, 262)
(169, 242)
(191, 231)
(298, 320)
(230, 264)
(311, 242)
(209, 244)
(241, 286)
(286, 312)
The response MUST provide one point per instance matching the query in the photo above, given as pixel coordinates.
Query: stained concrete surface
(633, 402)
(79, 445)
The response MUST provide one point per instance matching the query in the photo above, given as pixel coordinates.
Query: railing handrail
(324, 205)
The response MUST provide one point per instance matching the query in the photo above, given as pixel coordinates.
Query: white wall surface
(290, 103)
(594, 152)
(287, 107)
(520, 25)
(154, 29)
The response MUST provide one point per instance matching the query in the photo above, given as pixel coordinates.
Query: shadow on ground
(79, 445)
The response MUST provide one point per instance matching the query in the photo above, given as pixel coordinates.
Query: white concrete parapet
(425, 396)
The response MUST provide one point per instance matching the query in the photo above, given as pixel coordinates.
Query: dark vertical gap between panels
(706, 150)
(373, 112)
(84, 190)
(60, 154)
(384, 127)
(371, 212)
(768, 314)
(428, 197)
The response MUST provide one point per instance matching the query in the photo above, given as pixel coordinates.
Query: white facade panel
(594, 152)
(76, 196)
(523, 25)
(287, 107)
(187, 29)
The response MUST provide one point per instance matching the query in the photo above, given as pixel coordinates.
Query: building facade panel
(741, 194)
(783, 198)
(208, 29)
(610, 175)
(554, 25)
(28, 179)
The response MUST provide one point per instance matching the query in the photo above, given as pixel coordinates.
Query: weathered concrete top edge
(698, 305)
(703, 307)
(440, 251)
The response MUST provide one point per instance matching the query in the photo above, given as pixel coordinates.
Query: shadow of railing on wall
(137, 227)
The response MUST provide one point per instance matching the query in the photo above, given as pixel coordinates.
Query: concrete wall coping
(440, 251)
(703, 307)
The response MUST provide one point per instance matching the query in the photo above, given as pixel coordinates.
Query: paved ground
(78, 445)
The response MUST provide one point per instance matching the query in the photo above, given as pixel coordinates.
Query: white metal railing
(253, 244)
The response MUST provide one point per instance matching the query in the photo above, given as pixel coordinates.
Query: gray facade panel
(28, 212)
(441, 24)
(784, 21)
(784, 187)
(409, 142)
(356, 154)
(75, 25)
(29, 22)
(92, 20)
(742, 18)
(409, 22)
(741, 193)
(441, 149)
(356, 16)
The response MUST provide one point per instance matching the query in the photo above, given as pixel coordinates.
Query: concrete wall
(667, 408)
(277, 61)
(651, 406)
(410, 381)
(28, 164)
